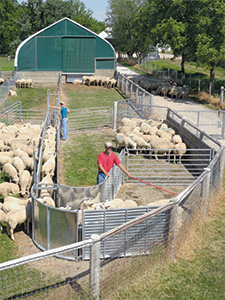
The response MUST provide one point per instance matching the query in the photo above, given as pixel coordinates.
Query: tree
(175, 25)
(9, 12)
(211, 36)
(124, 17)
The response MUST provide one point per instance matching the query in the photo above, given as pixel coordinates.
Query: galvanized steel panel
(133, 241)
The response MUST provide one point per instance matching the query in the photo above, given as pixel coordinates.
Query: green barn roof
(65, 46)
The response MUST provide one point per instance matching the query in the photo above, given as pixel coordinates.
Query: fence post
(221, 95)
(126, 87)
(131, 90)
(223, 125)
(199, 85)
(210, 90)
(173, 231)
(190, 81)
(95, 266)
(206, 190)
(115, 107)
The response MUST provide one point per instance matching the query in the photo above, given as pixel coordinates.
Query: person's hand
(130, 176)
(107, 174)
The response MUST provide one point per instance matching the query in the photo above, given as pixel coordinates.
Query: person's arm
(56, 107)
(103, 170)
(125, 171)
(68, 111)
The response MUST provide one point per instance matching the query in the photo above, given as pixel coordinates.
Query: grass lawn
(83, 96)
(199, 275)
(34, 98)
(6, 65)
(80, 157)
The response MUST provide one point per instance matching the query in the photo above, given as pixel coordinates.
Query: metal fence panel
(5, 87)
(100, 221)
(164, 171)
(89, 119)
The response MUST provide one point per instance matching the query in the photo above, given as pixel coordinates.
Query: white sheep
(11, 171)
(7, 188)
(5, 159)
(12, 203)
(3, 147)
(25, 183)
(18, 163)
(126, 129)
(124, 141)
(128, 122)
(49, 167)
(12, 93)
(160, 145)
(145, 128)
(180, 150)
(176, 139)
(20, 216)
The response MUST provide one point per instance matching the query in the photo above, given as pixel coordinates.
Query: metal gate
(90, 119)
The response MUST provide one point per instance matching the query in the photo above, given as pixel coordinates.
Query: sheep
(18, 84)
(3, 218)
(11, 205)
(47, 180)
(124, 141)
(49, 167)
(3, 147)
(145, 128)
(2, 81)
(185, 92)
(11, 171)
(160, 145)
(176, 139)
(12, 93)
(140, 142)
(28, 149)
(8, 153)
(125, 129)
(20, 216)
(5, 159)
(7, 188)
(25, 182)
(128, 122)
(18, 163)
(47, 200)
(180, 150)
(153, 130)
(164, 134)
(77, 81)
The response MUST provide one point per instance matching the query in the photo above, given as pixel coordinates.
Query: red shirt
(108, 161)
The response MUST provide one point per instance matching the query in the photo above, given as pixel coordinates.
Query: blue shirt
(64, 112)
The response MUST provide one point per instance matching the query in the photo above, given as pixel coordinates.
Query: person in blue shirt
(64, 111)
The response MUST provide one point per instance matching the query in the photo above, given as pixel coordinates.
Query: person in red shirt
(106, 161)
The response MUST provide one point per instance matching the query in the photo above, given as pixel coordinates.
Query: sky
(97, 6)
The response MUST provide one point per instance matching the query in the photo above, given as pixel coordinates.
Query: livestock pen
(142, 235)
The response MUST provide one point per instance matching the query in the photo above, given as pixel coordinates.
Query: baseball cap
(108, 144)
(61, 102)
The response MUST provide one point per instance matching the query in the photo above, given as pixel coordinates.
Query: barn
(66, 47)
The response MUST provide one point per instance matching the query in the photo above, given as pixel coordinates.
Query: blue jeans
(65, 128)
(100, 177)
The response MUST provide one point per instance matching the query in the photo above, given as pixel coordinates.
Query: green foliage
(9, 12)
(128, 20)
(18, 21)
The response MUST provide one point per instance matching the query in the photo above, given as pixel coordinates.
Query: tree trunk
(182, 66)
(212, 77)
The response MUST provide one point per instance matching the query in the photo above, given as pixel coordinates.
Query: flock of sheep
(17, 162)
(152, 135)
(24, 83)
(163, 87)
(106, 82)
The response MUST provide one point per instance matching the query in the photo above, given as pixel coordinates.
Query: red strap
(154, 186)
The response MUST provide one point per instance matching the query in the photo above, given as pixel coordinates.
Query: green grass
(83, 96)
(6, 65)
(200, 277)
(31, 98)
(80, 158)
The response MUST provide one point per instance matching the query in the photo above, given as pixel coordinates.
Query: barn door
(78, 54)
